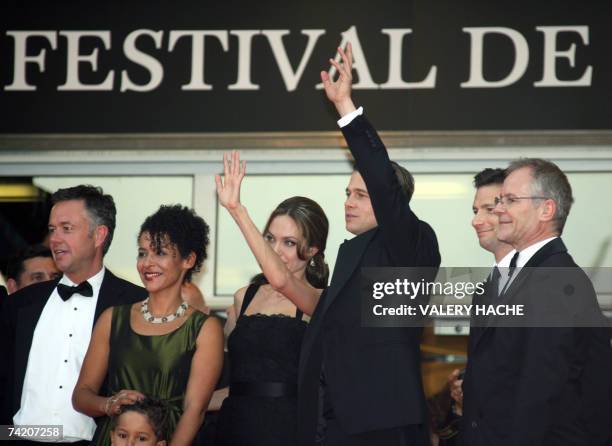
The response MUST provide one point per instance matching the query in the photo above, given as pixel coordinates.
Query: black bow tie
(66, 291)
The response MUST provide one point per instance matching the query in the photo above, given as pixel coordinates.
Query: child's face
(134, 429)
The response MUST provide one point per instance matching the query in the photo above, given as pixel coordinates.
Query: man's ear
(12, 286)
(548, 210)
(100, 234)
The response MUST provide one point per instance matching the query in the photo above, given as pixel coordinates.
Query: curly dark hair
(156, 412)
(99, 206)
(181, 227)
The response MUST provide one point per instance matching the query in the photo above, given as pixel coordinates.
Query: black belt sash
(263, 389)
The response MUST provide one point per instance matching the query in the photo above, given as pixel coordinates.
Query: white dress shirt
(346, 119)
(524, 256)
(59, 344)
(503, 266)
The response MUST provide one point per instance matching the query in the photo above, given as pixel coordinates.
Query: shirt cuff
(346, 119)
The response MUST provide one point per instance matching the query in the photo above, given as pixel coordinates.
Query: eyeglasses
(509, 200)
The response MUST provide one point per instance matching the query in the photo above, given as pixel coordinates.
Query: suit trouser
(412, 435)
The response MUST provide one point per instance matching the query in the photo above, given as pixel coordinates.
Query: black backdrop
(437, 38)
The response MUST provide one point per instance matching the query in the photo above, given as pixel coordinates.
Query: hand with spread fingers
(228, 188)
(339, 91)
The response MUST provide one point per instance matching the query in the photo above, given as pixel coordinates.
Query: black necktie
(510, 271)
(495, 275)
(513, 264)
(66, 291)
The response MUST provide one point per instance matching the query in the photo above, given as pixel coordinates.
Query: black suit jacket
(373, 374)
(19, 319)
(539, 386)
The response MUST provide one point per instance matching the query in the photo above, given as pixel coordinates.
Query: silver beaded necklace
(146, 314)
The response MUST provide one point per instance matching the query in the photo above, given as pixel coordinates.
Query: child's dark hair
(156, 412)
(180, 226)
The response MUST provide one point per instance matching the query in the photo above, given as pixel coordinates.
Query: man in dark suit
(46, 327)
(371, 389)
(528, 386)
(488, 184)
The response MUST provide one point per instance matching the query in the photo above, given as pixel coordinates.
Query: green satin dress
(157, 366)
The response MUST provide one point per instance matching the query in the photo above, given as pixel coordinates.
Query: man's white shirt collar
(526, 254)
(95, 281)
(505, 261)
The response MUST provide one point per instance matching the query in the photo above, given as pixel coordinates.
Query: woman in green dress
(160, 347)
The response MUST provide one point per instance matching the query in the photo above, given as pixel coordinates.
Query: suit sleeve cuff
(346, 119)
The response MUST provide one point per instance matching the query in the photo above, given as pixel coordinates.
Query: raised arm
(409, 241)
(205, 370)
(339, 91)
(85, 396)
(304, 296)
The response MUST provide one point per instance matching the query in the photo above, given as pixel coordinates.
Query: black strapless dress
(264, 352)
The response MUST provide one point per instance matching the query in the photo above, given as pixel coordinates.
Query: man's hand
(456, 390)
(339, 91)
(228, 190)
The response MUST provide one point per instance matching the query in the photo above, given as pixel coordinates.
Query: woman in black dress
(267, 323)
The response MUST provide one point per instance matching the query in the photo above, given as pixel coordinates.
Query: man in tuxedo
(46, 327)
(368, 379)
(34, 264)
(488, 184)
(528, 386)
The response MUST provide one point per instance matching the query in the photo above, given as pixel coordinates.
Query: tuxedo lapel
(107, 294)
(487, 298)
(311, 334)
(111, 294)
(349, 258)
(555, 246)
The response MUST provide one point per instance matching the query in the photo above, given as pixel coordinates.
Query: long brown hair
(314, 227)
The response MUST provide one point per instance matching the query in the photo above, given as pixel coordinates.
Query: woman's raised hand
(228, 188)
